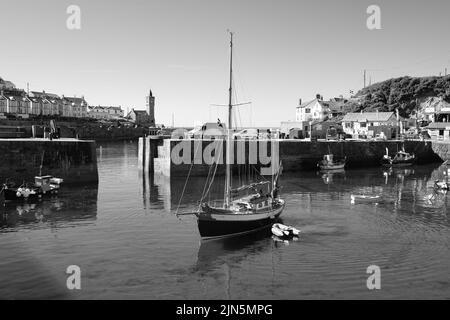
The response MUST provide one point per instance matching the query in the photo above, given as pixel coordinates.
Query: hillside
(402, 93)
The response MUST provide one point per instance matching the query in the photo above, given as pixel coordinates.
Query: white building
(312, 110)
(362, 123)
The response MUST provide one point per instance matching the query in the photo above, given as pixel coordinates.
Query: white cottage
(361, 123)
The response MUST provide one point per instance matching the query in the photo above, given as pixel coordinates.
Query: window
(307, 110)
(348, 124)
(441, 132)
(363, 124)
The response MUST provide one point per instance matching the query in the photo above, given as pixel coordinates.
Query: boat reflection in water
(74, 205)
(214, 253)
(327, 176)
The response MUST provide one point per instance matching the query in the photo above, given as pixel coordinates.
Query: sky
(284, 50)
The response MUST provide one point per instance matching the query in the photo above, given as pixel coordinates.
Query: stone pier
(295, 155)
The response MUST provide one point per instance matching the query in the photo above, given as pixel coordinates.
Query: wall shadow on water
(23, 274)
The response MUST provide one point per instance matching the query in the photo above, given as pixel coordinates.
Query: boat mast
(230, 112)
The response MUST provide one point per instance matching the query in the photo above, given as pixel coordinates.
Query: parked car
(246, 134)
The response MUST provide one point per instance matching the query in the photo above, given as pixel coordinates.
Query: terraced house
(105, 113)
(15, 101)
(78, 106)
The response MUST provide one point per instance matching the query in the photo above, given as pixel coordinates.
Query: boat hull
(218, 225)
(399, 164)
(10, 194)
(332, 167)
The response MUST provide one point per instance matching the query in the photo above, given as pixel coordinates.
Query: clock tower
(150, 106)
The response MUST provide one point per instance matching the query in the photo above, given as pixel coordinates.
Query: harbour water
(128, 243)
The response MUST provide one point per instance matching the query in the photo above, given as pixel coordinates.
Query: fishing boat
(401, 159)
(329, 163)
(236, 215)
(43, 185)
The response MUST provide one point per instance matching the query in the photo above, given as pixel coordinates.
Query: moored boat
(329, 163)
(43, 185)
(243, 216)
(401, 159)
(237, 215)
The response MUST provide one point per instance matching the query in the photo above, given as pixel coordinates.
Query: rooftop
(367, 116)
(438, 125)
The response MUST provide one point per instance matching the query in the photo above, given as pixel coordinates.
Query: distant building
(15, 102)
(287, 126)
(35, 105)
(436, 110)
(312, 110)
(6, 85)
(318, 109)
(46, 104)
(365, 123)
(433, 109)
(150, 105)
(78, 106)
(105, 112)
(335, 107)
(3, 103)
(439, 130)
(139, 117)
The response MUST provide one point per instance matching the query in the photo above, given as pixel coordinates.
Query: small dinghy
(282, 231)
(361, 198)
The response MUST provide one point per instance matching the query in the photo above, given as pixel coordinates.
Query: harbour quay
(73, 160)
(155, 154)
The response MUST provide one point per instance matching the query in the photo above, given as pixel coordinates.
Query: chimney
(299, 102)
(318, 97)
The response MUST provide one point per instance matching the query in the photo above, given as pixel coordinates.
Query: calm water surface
(124, 236)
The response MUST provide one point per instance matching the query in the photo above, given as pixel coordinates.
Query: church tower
(150, 104)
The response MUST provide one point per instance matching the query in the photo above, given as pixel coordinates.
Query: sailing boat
(239, 215)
